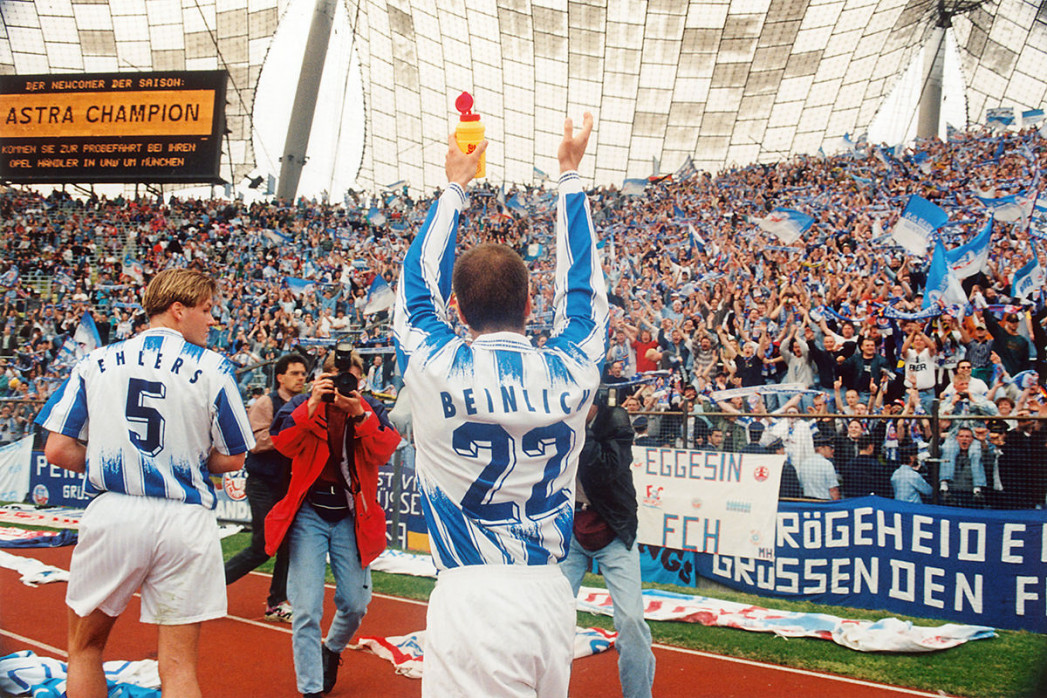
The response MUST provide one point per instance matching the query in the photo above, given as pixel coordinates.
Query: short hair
(185, 286)
(285, 361)
(491, 283)
(865, 441)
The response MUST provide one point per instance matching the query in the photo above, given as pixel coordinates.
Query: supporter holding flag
(788, 225)
(380, 296)
(970, 258)
(943, 288)
(1030, 279)
(299, 287)
(919, 219)
(1031, 117)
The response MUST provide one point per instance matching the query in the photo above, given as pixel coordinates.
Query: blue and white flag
(1039, 210)
(919, 219)
(1029, 279)
(10, 277)
(134, 269)
(379, 297)
(889, 311)
(514, 205)
(697, 241)
(1009, 208)
(786, 223)
(1032, 117)
(83, 341)
(846, 144)
(299, 286)
(540, 176)
(86, 334)
(64, 280)
(375, 217)
(923, 161)
(686, 171)
(970, 258)
(633, 187)
(943, 288)
(999, 118)
(276, 237)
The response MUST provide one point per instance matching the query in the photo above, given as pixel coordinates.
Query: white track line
(802, 672)
(34, 643)
(684, 650)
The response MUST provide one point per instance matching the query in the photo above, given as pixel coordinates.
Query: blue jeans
(311, 540)
(620, 567)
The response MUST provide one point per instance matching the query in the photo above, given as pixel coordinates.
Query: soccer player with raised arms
(159, 413)
(498, 427)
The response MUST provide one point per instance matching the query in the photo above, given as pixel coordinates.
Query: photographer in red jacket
(337, 440)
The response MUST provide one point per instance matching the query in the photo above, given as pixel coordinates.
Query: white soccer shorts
(499, 631)
(169, 549)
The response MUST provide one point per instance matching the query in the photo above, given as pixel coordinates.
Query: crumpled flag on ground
(14, 537)
(399, 562)
(53, 517)
(32, 570)
(24, 673)
(406, 651)
(887, 635)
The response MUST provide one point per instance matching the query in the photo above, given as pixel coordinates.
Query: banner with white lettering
(965, 565)
(707, 501)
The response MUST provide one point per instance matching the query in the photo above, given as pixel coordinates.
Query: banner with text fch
(707, 501)
(962, 565)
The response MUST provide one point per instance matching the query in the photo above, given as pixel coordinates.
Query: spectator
(961, 478)
(907, 482)
(865, 474)
(268, 473)
(605, 524)
(864, 370)
(817, 474)
(1023, 477)
(330, 511)
(918, 352)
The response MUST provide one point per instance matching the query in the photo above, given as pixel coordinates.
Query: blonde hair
(185, 286)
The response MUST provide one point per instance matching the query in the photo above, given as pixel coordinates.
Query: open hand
(572, 147)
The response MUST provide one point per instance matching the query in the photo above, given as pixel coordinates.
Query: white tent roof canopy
(725, 83)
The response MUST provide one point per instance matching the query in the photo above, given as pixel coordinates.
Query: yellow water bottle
(470, 130)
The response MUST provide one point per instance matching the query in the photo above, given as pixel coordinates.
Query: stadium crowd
(704, 301)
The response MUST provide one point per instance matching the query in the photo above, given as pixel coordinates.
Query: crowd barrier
(964, 565)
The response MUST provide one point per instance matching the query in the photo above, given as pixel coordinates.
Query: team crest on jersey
(761, 473)
(41, 496)
(235, 485)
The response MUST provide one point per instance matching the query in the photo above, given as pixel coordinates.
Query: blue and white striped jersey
(499, 424)
(151, 408)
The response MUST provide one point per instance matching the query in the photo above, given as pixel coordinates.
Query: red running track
(242, 656)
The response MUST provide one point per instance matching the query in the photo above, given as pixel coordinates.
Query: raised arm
(580, 299)
(425, 277)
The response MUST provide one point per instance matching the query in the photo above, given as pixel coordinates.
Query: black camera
(345, 382)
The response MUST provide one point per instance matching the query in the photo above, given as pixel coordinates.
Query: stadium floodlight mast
(931, 98)
(301, 122)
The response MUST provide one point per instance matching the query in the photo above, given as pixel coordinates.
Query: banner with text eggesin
(112, 127)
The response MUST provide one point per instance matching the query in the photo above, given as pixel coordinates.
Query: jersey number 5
(552, 441)
(141, 413)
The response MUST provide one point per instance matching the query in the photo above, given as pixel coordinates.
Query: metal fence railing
(970, 461)
(984, 461)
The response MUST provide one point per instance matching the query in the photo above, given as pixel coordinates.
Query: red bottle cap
(464, 105)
